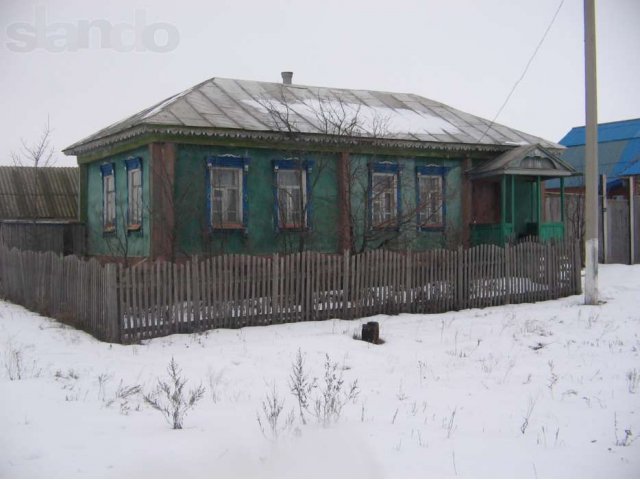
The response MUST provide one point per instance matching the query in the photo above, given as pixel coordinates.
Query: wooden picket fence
(77, 292)
(119, 304)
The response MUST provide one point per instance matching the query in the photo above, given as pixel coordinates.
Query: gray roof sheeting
(43, 193)
(227, 104)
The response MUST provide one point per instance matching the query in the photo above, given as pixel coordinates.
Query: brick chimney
(286, 77)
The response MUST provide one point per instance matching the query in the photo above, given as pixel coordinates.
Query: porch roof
(530, 160)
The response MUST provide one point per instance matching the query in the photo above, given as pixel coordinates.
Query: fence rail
(119, 304)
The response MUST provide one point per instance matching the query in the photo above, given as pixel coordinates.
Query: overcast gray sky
(467, 54)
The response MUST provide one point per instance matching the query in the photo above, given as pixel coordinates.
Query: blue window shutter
(399, 198)
(106, 169)
(370, 197)
(207, 189)
(308, 201)
(133, 163)
(245, 195)
(229, 161)
(385, 167)
(432, 170)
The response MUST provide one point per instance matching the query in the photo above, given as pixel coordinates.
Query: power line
(524, 72)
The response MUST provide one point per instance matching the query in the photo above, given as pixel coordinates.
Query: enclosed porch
(507, 195)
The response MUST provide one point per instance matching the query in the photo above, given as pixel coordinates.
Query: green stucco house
(235, 166)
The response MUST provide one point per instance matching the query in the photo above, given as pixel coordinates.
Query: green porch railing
(499, 234)
(494, 233)
(551, 231)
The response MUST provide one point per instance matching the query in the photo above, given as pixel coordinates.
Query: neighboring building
(39, 209)
(618, 156)
(240, 166)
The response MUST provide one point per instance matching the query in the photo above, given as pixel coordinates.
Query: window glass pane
(231, 207)
(430, 200)
(109, 207)
(384, 197)
(225, 177)
(226, 197)
(134, 212)
(288, 178)
(291, 198)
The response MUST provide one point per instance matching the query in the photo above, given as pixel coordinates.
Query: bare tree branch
(35, 154)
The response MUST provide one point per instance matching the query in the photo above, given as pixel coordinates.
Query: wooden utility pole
(605, 219)
(632, 221)
(591, 156)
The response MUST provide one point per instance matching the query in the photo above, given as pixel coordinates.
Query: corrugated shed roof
(39, 193)
(226, 104)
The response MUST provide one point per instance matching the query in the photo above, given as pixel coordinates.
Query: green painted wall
(408, 236)
(194, 237)
(121, 242)
(261, 236)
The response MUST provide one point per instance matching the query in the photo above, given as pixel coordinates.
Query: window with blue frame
(134, 193)
(227, 192)
(430, 186)
(384, 199)
(292, 207)
(108, 198)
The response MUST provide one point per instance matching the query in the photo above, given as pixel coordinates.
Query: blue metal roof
(618, 152)
(607, 132)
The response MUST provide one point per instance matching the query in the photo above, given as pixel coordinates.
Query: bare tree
(38, 153)
(335, 117)
(575, 218)
(402, 228)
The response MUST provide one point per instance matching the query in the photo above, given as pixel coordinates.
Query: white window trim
(377, 198)
(134, 200)
(240, 206)
(303, 192)
(429, 217)
(109, 202)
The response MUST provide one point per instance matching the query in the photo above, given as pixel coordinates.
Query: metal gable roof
(525, 160)
(42, 193)
(221, 104)
(607, 132)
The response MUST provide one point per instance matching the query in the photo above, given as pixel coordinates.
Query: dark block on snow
(371, 332)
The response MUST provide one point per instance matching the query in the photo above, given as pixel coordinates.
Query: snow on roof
(228, 104)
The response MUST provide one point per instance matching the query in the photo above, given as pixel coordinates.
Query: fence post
(275, 281)
(113, 304)
(632, 240)
(346, 301)
(507, 274)
(460, 290)
(2, 265)
(407, 300)
(577, 267)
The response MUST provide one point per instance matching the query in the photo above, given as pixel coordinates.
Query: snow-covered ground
(547, 389)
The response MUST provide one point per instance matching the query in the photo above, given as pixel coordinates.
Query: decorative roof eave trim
(281, 137)
(527, 172)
